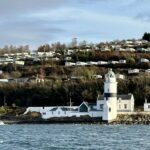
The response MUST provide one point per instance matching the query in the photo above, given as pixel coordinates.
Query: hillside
(55, 73)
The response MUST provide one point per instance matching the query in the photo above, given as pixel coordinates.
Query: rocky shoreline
(66, 120)
(138, 118)
(121, 119)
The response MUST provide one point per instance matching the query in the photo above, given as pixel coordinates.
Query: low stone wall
(122, 118)
(133, 118)
(134, 113)
(39, 120)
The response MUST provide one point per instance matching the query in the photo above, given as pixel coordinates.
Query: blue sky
(37, 22)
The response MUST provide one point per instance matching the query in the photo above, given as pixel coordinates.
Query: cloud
(11, 7)
(45, 21)
(143, 17)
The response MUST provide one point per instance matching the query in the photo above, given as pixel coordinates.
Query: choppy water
(74, 137)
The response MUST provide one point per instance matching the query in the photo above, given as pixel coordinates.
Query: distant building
(69, 64)
(133, 71)
(120, 76)
(102, 63)
(97, 76)
(146, 106)
(3, 80)
(104, 49)
(130, 49)
(144, 60)
(147, 70)
(122, 61)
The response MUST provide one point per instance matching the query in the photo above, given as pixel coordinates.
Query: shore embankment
(35, 118)
(121, 119)
(133, 118)
(38, 120)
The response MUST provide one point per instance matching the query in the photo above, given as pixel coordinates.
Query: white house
(68, 58)
(85, 109)
(144, 60)
(122, 61)
(130, 49)
(125, 103)
(146, 106)
(3, 80)
(69, 64)
(102, 62)
(133, 71)
(79, 63)
(120, 49)
(97, 76)
(92, 63)
(147, 70)
(141, 49)
(106, 107)
(19, 62)
(120, 76)
(104, 49)
(113, 62)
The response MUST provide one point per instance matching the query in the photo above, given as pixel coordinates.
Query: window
(44, 113)
(109, 109)
(111, 76)
(119, 100)
(52, 112)
(65, 112)
(125, 106)
(101, 106)
(58, 112)
(148, 106)
(119, 106)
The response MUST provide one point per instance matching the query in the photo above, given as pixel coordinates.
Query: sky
(37, 22)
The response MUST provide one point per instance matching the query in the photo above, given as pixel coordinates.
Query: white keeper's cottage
(106, 107)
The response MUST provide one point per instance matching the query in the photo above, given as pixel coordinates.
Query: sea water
(74, 137)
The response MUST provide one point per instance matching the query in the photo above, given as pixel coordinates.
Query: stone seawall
(133, 118)
(122, 118)
(38, 120)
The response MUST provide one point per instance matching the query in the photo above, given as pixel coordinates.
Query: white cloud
(41, 21)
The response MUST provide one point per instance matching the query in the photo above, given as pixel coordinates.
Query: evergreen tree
(146, 36)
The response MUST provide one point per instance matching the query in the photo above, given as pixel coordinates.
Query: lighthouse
(110, 96)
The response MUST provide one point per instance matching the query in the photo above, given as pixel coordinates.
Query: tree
(82, 44)
(15, 74)
(146, 36)
(147, 92)
(87, 94)
(44, 48)
(74, 42)
(130, 62)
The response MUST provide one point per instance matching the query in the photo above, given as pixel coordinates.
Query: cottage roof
(84, 103)
(88, 104)
(122, 97)
(54, 109)
(65, 109)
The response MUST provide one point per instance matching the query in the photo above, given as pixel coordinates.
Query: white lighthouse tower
(110, 96)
